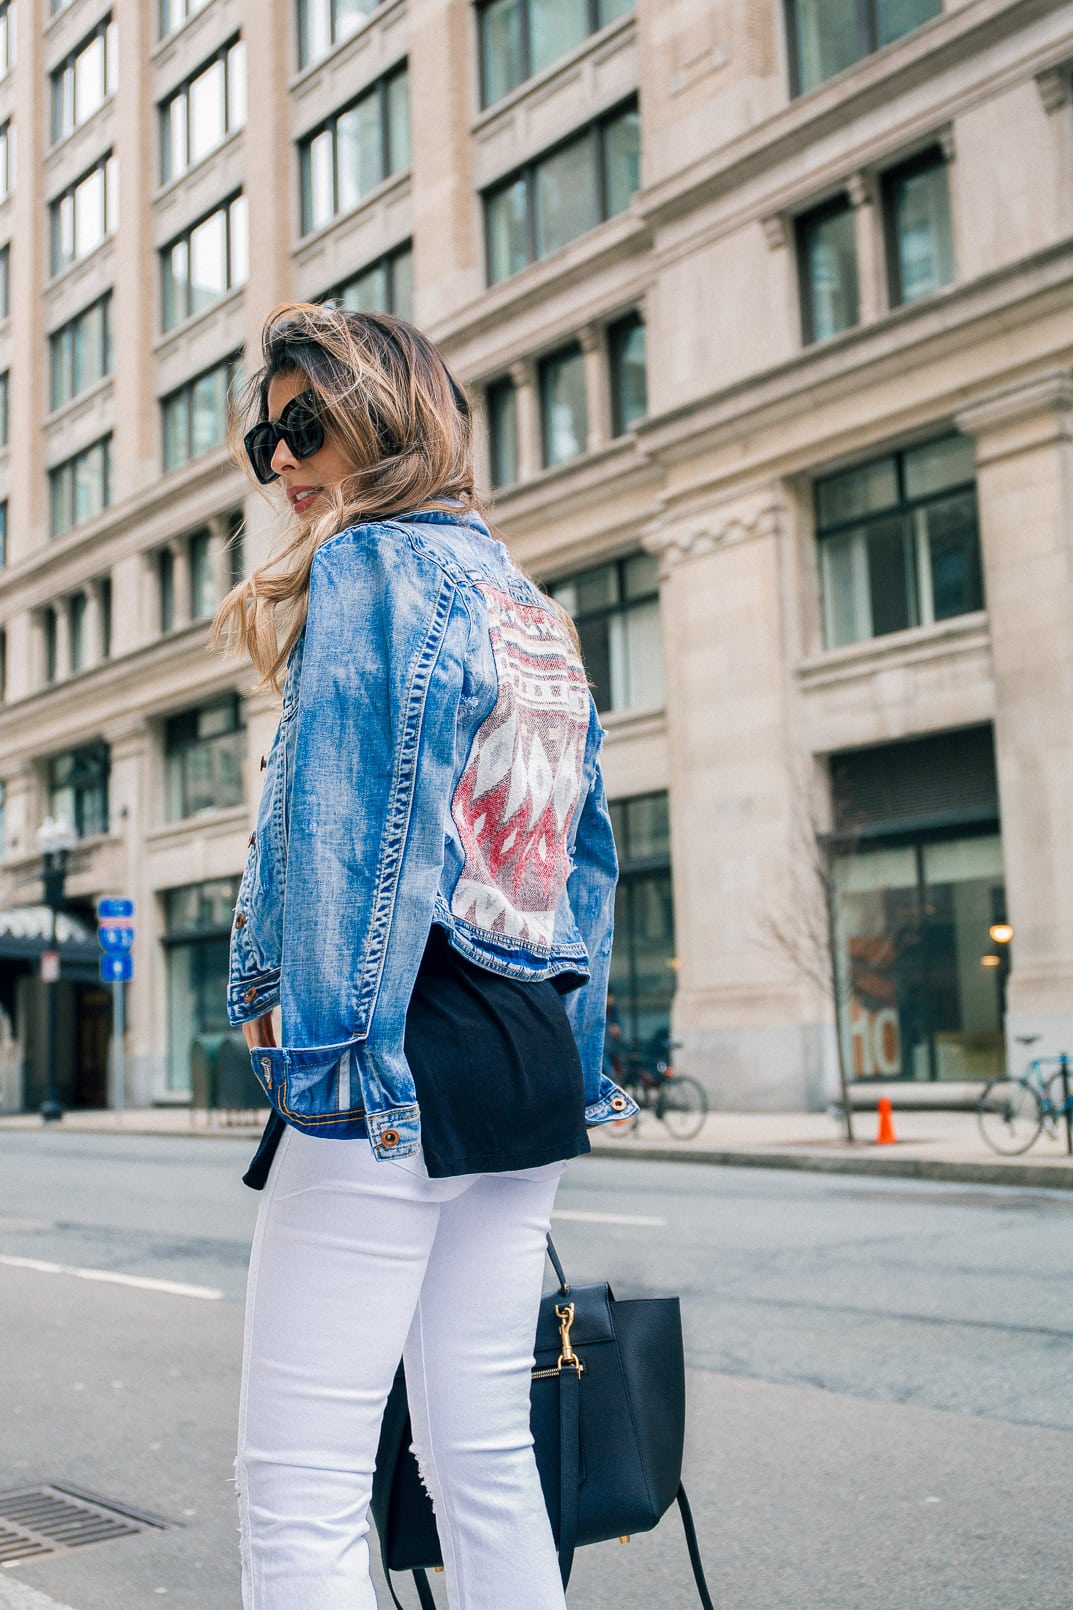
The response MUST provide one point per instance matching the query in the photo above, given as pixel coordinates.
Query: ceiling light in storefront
(1000, 932)
(991, 961)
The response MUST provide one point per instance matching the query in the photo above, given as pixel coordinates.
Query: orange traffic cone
(886, 1135)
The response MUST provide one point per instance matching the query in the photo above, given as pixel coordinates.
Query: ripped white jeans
(356, 1263)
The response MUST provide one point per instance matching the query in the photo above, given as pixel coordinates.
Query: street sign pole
(115, 934)
(119, 1060)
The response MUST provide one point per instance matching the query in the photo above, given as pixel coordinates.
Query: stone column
(180, 582)
(527, 410)
(92, 647)
(593, 340)
(25, 652)
(1024, 472)
(867, 223)
(219, 557)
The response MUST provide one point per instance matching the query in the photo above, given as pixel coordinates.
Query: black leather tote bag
(608, 1422)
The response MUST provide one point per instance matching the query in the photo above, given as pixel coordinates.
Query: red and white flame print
(520, 785)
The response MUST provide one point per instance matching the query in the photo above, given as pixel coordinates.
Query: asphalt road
(880, 1372)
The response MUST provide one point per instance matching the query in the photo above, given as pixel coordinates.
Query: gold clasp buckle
(568, 1359)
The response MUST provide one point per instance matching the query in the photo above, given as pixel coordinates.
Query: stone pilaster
(597, 387)
(527, 413)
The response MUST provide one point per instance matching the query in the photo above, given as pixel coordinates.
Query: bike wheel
(1009, 1115)
(683, 1105)
(1054, 1108)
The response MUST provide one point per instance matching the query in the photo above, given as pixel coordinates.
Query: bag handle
(564, 1286)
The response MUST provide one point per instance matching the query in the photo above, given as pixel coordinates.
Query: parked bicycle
(1012, 1112)
(679, 1102)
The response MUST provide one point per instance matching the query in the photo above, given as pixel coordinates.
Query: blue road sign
(117, 969)
(114, 908)
(115, 939)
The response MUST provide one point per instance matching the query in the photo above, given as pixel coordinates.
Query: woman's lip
(300, 494)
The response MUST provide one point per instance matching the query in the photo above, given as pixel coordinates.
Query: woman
(428, 900)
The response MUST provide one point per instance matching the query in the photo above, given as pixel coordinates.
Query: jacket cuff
(611, 1104)
(252, 997)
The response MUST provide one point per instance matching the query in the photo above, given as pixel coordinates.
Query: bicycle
(1012, 1112)
(679, 1102)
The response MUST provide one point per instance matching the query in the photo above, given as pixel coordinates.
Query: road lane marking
(579, 1216)
(111, 1277)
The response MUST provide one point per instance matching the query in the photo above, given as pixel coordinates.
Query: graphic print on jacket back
(519, 787)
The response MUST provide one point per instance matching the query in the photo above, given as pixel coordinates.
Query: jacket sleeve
(385, 642)
(591, 892)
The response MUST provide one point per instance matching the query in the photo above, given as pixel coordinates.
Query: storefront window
(196, 939)
(643, 960)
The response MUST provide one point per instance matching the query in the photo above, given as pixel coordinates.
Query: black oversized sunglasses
(299, 425)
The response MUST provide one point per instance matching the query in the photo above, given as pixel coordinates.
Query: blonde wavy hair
(390, 404)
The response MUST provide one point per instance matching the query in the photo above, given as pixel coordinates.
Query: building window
(563, 194)
(203, 757)
(48, 640)
(104, 607)
(323, 24)
(202, 580)
(501, 403)
(206, 262)
(84, 215)
(519, 38)
(7, 36)
(80, 487)
(76, 631)
(173, 13)
(195, 416)
(563, 410)
(827, 267)
(5, 282)
(3, 533)
(827, 36)
(918, 882)
(197, 921)
(80, 352)
(78, 788)
(7, 159)
(355, 151)
(386, 286)
(898, 542)
(916, 213)
(4, 408)
(3, 696)
(616, 610)
(82, 83)
(200, 116)
(643, 975)
(165, 575)
(629, 382)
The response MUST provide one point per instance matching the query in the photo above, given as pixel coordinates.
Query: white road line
(20, 1596)
(111, 1277)
(580, 1217)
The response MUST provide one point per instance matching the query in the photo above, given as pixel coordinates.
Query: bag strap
(694, 1548)
(564, 1286)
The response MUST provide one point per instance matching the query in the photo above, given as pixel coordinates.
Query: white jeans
(356, 1263)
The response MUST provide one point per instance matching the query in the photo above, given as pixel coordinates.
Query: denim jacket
(435, 762)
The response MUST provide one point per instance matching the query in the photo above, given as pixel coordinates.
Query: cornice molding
(1050, 393)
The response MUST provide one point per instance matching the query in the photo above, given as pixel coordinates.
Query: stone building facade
(768, 308)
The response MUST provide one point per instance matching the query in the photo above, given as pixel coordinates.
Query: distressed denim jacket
(435, 762)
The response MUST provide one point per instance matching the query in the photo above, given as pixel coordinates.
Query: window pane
(954, 545)
(891, 575)
(89, 79)
(829, 267)
(314, 30)
(166, 581)
(503, 433)
(238, 227)
(319, 199)
(208, 261)
(847, 618)
(501, 48)
(89, 483)
(402, 273)
(566, 197)
(858, 492)
(898, 17)
(638, 680)
(640, 575)
(206, 111)
(595, 639)
(398, 113)
(176, 155)
(208, 414)
(236, 86)
(951, 461)
(176, 284)
(555, 26)
(648, 826)
(827, 39)
(629, 395)
(368, 292)
(176, 429)
(610, 9)
(596, 589)
(349, 16)
(202, 590)
(923, 243)
(358, 151)
(89, 213)
(562, 396)
(508, 230)
(622, 161)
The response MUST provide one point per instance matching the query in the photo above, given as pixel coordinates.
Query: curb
(1039, 1176)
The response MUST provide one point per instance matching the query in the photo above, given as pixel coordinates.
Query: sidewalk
(930, 1145)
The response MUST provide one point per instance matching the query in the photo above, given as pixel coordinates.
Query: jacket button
(240, 919)
(250, 996)
(389, 1138)
(617, 1103)
(264, 762)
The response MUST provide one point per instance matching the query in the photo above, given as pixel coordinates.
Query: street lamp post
(54, 839)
